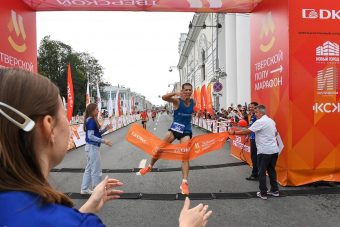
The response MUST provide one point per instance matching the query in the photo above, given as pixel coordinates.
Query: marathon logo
(322, 14)
(326, 107)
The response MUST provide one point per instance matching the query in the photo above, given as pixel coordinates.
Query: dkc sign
(322, 14)
(326, 107)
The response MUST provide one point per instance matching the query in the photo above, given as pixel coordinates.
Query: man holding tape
(180, 128)
(267, 150)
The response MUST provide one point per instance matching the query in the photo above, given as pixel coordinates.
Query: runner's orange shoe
(145, 170)
(185, 188)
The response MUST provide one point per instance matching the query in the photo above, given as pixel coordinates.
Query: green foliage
(53, 58)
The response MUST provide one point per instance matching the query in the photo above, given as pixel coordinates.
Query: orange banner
(237, 6)
(70, 94)
(155, 147)
(209, 100)
(18, 47)
(203, 98)
(198, 100)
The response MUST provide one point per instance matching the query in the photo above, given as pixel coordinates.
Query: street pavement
(211, 176)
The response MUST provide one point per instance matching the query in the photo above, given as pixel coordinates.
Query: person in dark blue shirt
(180, 128)
(93, 137)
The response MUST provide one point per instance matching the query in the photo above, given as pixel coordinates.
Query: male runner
(180, 128)
(145, 118)
(154, 113)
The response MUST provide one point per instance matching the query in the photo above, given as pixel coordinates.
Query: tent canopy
(200, 6)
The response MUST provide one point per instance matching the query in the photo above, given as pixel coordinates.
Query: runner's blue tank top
(183, 114)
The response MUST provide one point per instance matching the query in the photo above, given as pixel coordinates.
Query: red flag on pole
(70, 94)
(209, 100)
(203, 98)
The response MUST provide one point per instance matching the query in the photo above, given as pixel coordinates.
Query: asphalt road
(212, 175)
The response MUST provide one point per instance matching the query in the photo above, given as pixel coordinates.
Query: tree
(53, 58)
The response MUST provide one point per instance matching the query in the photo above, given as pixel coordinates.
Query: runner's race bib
(177, 127)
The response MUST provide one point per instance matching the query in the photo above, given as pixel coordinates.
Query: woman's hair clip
(28, 123)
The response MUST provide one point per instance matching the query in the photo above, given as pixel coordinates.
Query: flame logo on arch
(16, 25)
(268, 28)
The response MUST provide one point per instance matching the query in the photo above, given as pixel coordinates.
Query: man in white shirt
(267, 150)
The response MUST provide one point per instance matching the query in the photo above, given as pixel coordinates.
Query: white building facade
(212, 53)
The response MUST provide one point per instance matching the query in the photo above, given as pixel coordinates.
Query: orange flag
(198, 95)
(155, 147)
(70, 94)
(203, 98)
(209, 100)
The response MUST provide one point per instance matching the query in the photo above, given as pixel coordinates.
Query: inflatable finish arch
(294, 67)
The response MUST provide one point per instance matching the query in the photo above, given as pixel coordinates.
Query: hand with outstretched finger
(102, 193)
(194, 217)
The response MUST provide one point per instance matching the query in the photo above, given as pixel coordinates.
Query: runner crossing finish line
(188, 149)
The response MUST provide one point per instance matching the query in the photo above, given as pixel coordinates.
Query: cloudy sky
(135, 48)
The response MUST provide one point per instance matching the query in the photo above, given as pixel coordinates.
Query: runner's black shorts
(143, 122)
(179, 136)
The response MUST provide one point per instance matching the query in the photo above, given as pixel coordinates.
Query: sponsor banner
(315, 104)
(240, 148)
(204, 122)
(145, 5)
(78, 134)
(214, 127)
(155, 147)
(209, 124)
(18, 46)
(270, 78)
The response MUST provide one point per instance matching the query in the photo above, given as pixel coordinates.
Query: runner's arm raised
(170, 98)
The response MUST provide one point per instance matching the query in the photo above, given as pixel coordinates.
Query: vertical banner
(18, 45)
(198, 101)
(117, 103)
(70, 94)
(315, 106)
(270, 69)
(110, 105)
(203, 98)
(209, 100)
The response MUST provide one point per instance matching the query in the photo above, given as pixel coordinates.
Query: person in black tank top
(180, 129)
